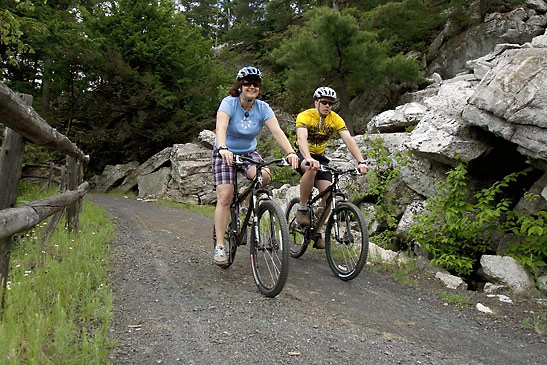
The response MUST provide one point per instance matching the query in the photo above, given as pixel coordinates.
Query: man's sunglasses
(326, 102)
(249, 83)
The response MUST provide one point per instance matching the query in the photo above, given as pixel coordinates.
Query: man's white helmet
(249, 71)
(324, 92)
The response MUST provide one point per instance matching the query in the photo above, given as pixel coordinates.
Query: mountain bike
(269, 239)
(346, 234)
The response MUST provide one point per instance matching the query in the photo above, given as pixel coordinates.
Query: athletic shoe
(319, 242)
(220, 257)
(302, 217)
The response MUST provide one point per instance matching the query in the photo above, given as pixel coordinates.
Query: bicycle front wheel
(346, 251)
(269, 250)
(297, 234)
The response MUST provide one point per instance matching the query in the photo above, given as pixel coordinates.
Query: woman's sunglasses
(249, 83)
(326, 102)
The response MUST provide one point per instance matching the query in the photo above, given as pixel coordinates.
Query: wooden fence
(24, 124)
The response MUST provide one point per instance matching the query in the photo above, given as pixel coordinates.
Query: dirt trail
(172, 305)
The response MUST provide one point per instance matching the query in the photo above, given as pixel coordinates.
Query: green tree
(157, 81)
(330, 49)
(409, 25)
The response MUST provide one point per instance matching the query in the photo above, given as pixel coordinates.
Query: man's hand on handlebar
(313, 164)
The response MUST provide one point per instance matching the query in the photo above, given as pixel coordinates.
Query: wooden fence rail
(18, 219)
(22, 122)
(23, 119)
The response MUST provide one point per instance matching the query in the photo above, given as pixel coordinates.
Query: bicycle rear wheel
(297, 234)
(347, 252)
(269, 250)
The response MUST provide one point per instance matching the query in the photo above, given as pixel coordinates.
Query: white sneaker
(220, 257)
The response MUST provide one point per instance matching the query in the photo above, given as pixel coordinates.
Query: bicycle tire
(298, 242)
(347, 256)
(269, 253)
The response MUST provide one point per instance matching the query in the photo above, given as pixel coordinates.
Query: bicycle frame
(331, 201)
(255, 189)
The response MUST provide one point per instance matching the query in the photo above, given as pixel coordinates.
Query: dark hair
(235, 89)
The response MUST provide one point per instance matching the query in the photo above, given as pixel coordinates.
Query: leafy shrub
(379, 183)
(455, 230)
(531, 248)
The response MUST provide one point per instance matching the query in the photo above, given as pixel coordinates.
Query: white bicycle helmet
(249, 71)
(324, 91)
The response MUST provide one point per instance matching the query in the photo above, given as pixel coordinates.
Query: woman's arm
(222, 125)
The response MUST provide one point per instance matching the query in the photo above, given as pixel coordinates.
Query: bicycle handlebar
(326, 168)
(240, 160)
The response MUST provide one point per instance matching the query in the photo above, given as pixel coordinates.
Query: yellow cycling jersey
(319, 129)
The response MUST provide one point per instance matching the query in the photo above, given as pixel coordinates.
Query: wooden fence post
(11, 162)
(73, 170)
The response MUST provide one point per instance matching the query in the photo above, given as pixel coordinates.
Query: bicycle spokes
(269, 256)
(347, 242)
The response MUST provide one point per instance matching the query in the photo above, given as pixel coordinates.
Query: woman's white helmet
(324, 92)
(249, 71)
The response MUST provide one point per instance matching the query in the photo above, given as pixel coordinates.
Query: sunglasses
(325, 102)
(249, 83)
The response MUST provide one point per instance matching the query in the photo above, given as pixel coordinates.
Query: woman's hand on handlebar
(227, 157)
(293, 160)
(363, 169)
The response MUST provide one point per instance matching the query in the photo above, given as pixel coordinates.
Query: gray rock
(114, 176)
(512, 102)
(207, 138)
(448, 57)
(154, 185)
(538, 5)
(408, 219)
(505, 270)
(535, 200)
(451, 281)
(542, 283)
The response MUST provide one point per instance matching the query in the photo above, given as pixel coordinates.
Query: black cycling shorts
(321, 175)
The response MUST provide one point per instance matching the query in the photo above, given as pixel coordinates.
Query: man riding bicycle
(314, 127)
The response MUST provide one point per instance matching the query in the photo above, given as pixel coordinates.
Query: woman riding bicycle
(240, 118)
(314, 127)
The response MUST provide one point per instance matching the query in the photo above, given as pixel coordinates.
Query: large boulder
(511, 101)
(113, 176)
(448, 56)
(505, 270)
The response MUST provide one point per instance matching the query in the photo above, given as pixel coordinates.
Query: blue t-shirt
(243, 126)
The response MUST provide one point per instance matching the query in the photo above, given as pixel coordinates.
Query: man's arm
(354, 150)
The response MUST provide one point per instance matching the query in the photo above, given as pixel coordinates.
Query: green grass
(59, 302)
(538, 322)
(459, 299)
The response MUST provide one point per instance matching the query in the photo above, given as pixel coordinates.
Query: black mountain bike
(346, 234)
(269, 240)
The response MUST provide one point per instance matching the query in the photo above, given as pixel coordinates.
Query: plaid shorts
(224, 174)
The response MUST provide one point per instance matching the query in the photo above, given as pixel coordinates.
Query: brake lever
(284, 162)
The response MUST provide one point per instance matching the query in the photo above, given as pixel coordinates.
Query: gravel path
(172, 305)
